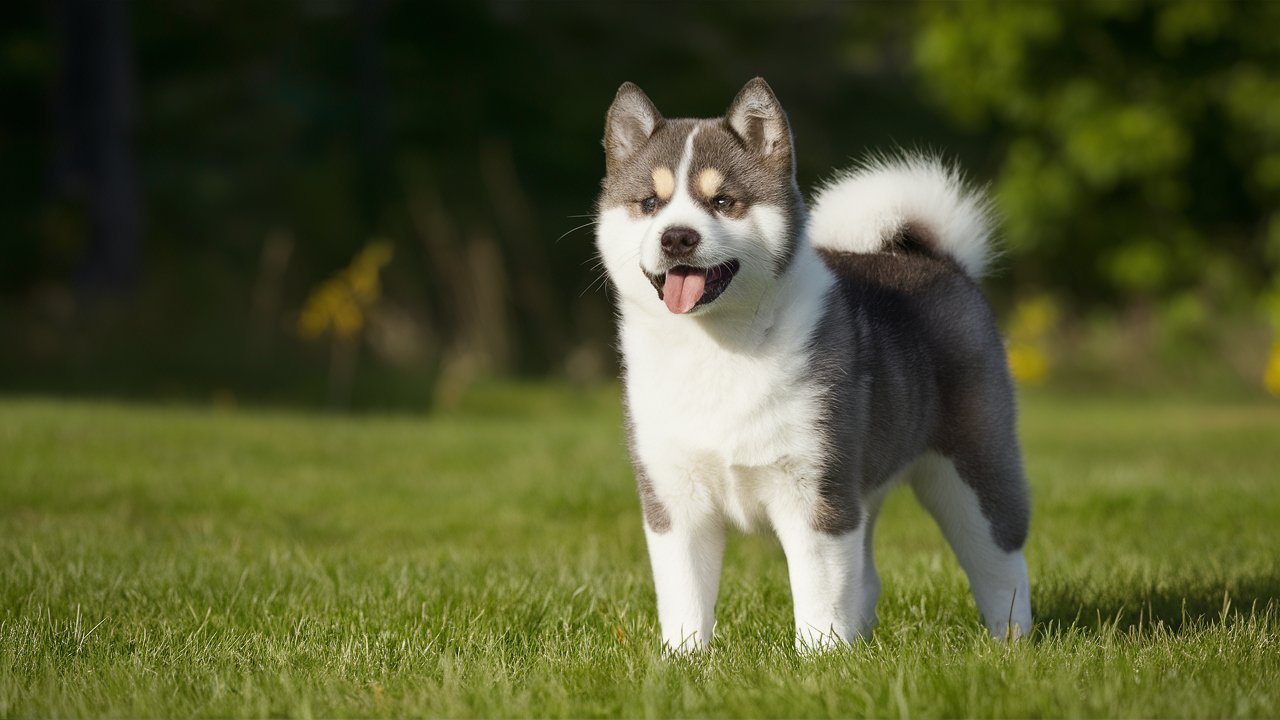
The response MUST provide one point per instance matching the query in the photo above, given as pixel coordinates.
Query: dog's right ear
(631, 121)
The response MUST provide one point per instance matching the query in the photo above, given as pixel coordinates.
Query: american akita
(786, 368)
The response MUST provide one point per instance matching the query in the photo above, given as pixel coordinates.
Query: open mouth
(684, 288)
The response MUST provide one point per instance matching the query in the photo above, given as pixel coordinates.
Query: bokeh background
(374, 204)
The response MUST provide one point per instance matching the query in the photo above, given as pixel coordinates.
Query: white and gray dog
(786, 368)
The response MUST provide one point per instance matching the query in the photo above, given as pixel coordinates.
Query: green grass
(167, 562)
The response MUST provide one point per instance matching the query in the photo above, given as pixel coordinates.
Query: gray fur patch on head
(750, 179)
(640, 175)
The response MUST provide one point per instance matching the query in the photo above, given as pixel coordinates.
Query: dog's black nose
(679, 241)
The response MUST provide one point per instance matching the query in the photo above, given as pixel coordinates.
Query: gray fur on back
(909, 359)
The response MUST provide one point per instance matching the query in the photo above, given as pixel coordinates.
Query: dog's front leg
(686, 556)
(833, 590)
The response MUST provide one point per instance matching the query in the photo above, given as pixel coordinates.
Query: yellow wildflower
(1271, 377)
(1033, 319)
(375, 255)
(347, 320)
(364, 283)
(341, 302)
(1028, 363)
(312, 323)
(1028, 338)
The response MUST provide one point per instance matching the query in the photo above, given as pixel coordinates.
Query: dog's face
(705, 212)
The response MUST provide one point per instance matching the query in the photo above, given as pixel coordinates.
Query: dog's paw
(812, 641)
(1010, 631)
(812, 638)
(685, 644)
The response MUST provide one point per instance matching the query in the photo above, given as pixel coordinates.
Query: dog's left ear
(756, 117)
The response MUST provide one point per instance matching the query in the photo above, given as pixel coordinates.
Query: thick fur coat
(785, 368)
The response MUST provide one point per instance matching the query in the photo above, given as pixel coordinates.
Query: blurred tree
(1143, 138)
(1136, 149)
(94, 165)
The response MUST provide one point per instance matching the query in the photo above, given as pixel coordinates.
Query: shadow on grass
(1177, 607)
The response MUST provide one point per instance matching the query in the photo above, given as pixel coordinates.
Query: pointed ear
(631, 120)
(758, 120)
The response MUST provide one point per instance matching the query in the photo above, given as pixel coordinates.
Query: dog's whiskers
(573, 230)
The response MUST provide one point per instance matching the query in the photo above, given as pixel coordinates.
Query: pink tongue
(682, 291)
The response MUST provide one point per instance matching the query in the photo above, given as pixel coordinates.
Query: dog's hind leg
(989, 548)
(869, 592)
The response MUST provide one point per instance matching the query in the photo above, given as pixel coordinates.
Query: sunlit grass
(174, 562)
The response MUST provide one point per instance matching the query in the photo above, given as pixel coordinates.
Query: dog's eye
(722, 202)
(648, 205)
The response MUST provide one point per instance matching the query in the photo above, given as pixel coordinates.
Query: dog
(784, 368)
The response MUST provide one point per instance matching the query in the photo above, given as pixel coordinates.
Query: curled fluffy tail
(885, 201)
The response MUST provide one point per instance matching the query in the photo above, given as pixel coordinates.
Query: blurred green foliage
(1142, 140)
(1134, 149)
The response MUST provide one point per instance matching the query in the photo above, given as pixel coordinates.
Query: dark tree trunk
(371, 111)
(94, 163)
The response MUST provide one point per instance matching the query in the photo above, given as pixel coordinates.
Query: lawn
(174, 561)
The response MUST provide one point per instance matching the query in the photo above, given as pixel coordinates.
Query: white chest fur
(727, 421)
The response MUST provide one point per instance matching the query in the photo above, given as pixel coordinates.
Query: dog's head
(705, 212)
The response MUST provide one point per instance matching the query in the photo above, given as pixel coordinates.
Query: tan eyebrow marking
(709, 182)
(664, 183)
